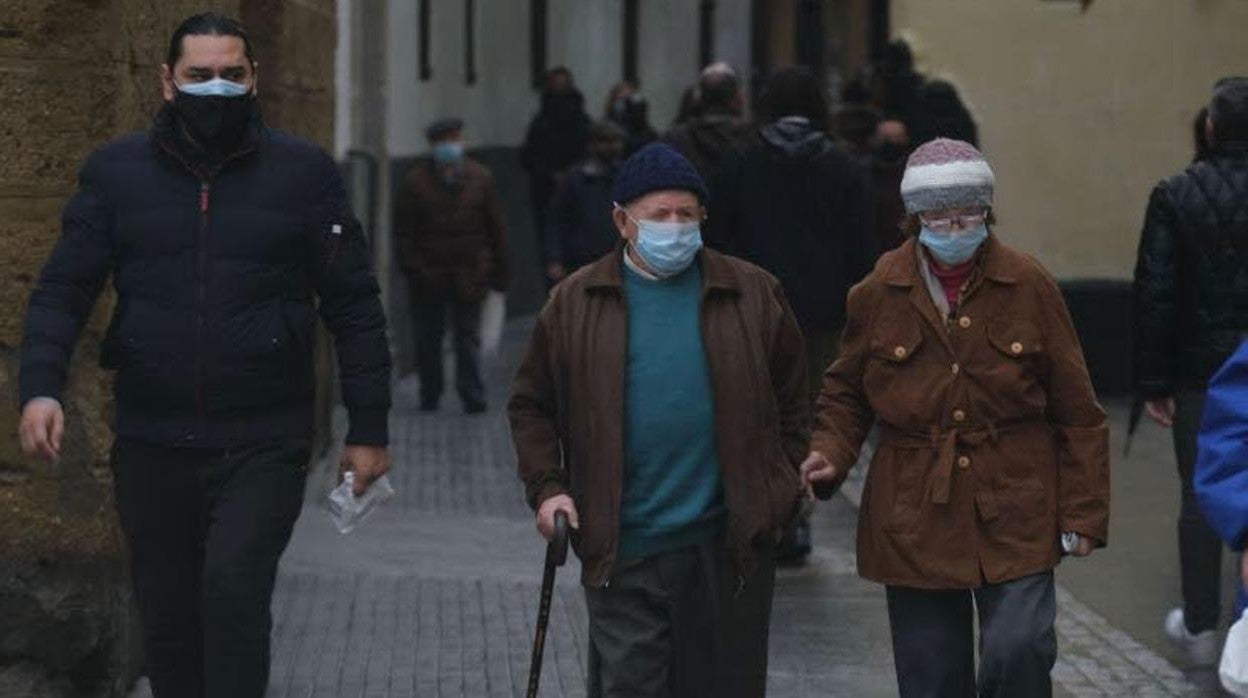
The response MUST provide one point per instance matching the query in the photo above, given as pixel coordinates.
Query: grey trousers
(933, 640)
(681, 625)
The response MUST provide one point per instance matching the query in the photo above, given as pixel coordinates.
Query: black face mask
(214, 120)
(888, 151)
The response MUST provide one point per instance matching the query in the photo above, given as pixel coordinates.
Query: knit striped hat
(945, 173)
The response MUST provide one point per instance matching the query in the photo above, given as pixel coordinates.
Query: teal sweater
(673, 494)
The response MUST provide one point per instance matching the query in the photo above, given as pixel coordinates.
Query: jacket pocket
(299, 320)
(1015, 339)
(896, 345)
(901, 484)
(890, 372)
(784, 490)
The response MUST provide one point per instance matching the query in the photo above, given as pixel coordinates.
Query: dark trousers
(681, 625)
(205, 530)
(1200, 549)
(933, 636)
(429, 312)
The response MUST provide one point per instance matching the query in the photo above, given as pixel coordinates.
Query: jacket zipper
(205, 200)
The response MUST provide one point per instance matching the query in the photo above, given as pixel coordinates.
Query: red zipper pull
(203, 197)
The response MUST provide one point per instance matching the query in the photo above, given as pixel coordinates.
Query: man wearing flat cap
(452, 247)
(663, 406)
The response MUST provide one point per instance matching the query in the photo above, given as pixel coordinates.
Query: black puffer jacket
(1191, 276)
(216, 275)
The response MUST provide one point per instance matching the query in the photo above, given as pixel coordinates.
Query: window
(426, 67)
(706, 33)
(630, 41)
(537, 40)
(470, 42)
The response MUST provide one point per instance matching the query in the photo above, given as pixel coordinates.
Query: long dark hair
(207, 24)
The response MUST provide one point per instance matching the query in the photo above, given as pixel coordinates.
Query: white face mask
(666, 248)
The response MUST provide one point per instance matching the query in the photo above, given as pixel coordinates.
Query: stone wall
(74, 73)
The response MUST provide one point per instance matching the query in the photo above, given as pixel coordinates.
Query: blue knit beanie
(653, 168)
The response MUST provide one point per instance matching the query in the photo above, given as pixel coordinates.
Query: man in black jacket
(1191, 310)
(719, 129)
(554, 141)
(796, 205)
(580, 227)
(218, 233)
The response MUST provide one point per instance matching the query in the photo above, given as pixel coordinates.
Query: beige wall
(1080, 114)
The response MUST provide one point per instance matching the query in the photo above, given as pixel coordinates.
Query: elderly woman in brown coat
(993, 457)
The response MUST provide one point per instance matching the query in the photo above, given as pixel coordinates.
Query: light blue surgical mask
(954, 249)
(447, 152)
(217, 87)
(666, 248)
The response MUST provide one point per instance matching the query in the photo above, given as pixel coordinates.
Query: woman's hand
(819, 476)
(1083, 547)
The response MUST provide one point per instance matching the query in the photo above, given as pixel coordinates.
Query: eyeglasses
(946, 224)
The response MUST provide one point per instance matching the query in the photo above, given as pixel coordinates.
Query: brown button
(900, 352)
(955, 368)
(959, 416)
(1017, 347)
(964, 462)
(964, 322)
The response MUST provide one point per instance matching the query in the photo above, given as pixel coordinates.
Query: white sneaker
(1202, 648)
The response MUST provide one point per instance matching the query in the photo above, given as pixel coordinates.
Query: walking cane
(556, 555)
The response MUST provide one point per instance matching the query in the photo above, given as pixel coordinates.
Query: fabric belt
(945, 444)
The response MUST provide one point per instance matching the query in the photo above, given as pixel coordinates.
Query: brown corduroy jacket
(991, 439)
(451, 239)
(567, 405)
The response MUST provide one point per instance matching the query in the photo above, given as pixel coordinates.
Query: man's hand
(42, 428)
(816, 472)
(1161, 411)
(546, 514)
(367, 462)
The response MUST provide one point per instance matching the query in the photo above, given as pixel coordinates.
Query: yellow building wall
(1079, 114)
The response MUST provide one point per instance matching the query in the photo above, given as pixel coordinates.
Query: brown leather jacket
(992, 442)
(567, 404)
(451, 239)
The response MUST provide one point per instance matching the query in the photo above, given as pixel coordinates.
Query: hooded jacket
(799, 207)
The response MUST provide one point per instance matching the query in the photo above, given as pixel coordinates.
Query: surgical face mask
(447, 152)
(954, 248)
(666, 248)
(215, 111)
(217, 87)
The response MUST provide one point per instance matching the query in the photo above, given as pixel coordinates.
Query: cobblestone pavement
(436, 595)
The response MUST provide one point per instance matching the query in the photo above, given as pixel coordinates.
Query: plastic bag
(493, 315)
(347, 511)
(1233, 671)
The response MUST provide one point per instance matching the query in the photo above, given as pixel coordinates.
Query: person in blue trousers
(1221, 477)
